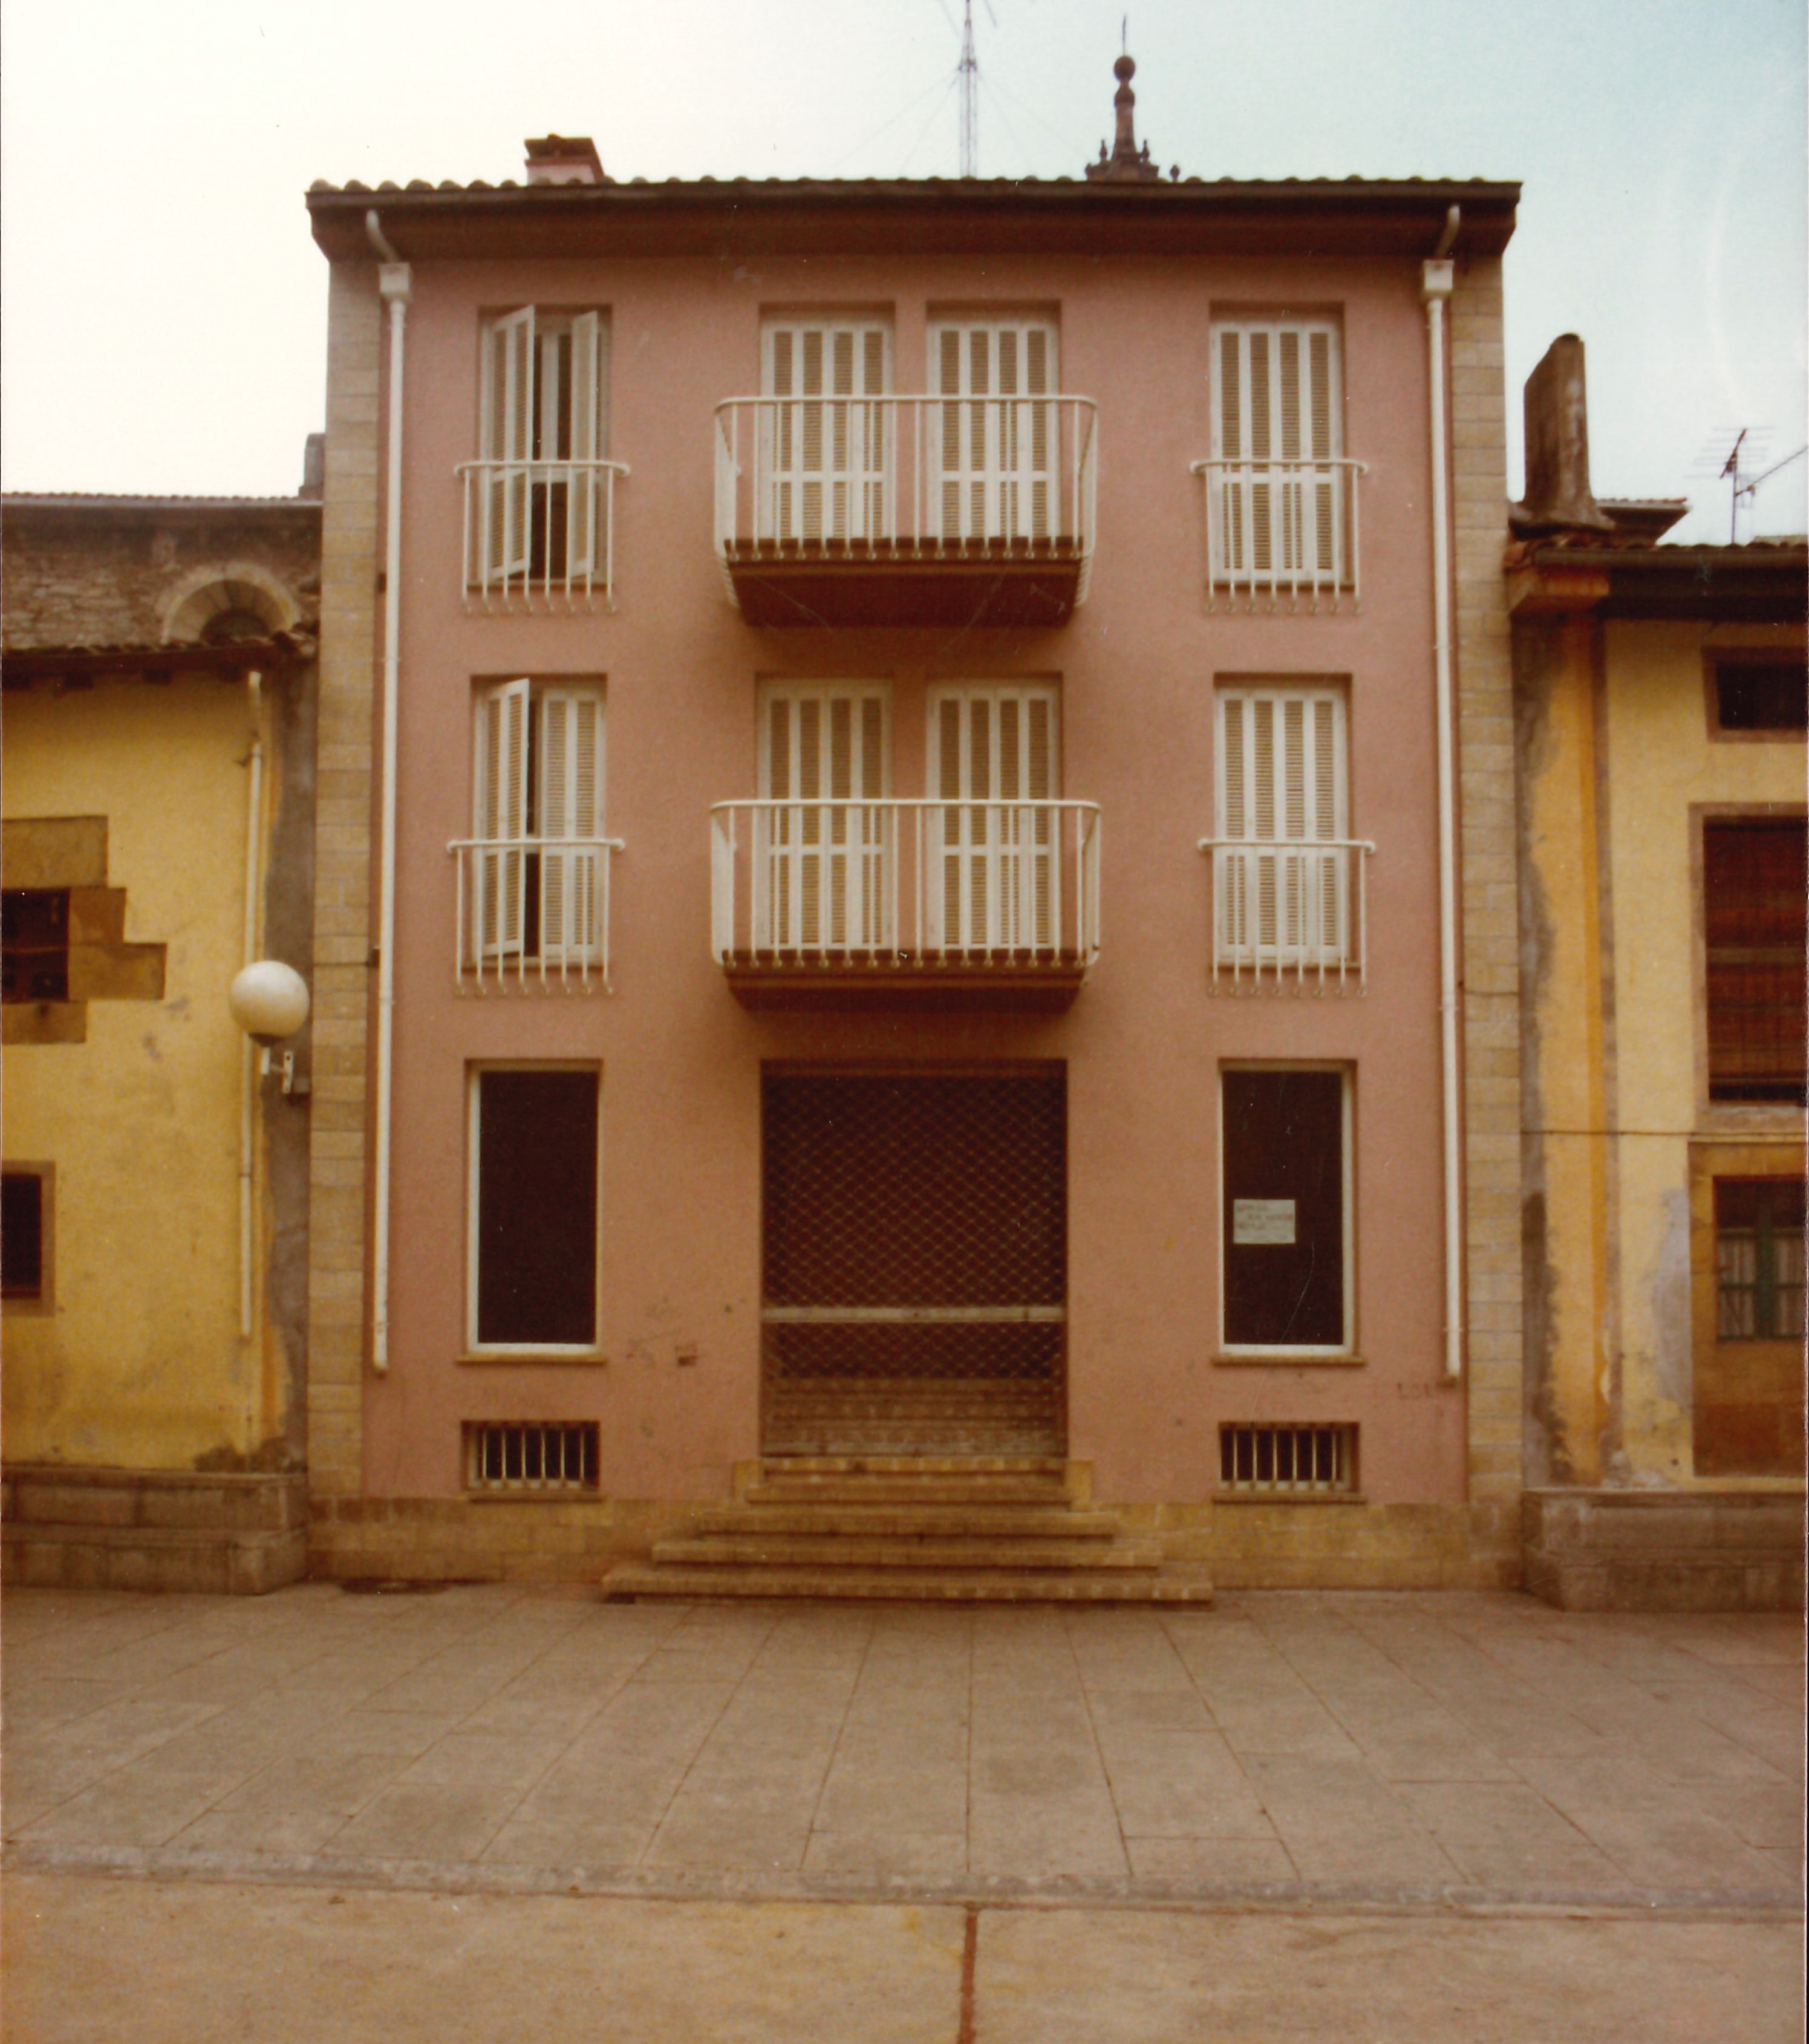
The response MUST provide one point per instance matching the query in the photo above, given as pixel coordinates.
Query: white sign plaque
(1262, 1220)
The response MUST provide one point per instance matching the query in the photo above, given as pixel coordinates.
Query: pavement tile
(1769, 1814)
(1239, 1860)
(124, 1811)
(364, 1730)
(436, 1820)
(485, 1757)
(246, 1830)
(887, 1855)
(553, 1840)
(864, 1798)
(338, 1784)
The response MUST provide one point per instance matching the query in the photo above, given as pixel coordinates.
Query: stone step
(633, 1580)
(838, 1551)
(926, 1491)
(911, 1519)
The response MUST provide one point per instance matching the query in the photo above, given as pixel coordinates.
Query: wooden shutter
(824, 877)
(826, 458)
(1281, 781)
(584, 434)
(997, 867)
(1275, 414)
(995, 453)
(500, 907)
(509, 437)
(571, 816)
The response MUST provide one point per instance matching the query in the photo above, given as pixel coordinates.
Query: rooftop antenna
(1730, 471)
(969, 72)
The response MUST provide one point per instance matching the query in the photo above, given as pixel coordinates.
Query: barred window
(1758, 1259)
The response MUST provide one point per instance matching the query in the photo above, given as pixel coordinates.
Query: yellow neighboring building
(159, 806)
(1660, 703)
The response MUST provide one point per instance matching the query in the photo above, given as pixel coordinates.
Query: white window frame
(794, 850)
(502, 876)
(474, 1168)
(995, 455)
(1344, 1351)
(827, 456)
(1009, 859)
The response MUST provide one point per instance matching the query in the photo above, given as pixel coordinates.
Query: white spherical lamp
(269, 1001)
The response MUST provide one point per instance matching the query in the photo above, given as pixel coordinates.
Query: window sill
(1287, 1358)
(1288, 1497)
(479, 1358)
(526, 1496)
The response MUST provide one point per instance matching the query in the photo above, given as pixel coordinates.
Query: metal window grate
(553, 1455)
(1287, 1460)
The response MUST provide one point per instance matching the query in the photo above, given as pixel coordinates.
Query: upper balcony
(541, 536)
(905, 904)
(1282, 534)
(906, 511)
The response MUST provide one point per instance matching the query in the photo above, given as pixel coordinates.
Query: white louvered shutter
(993, 755)
(1283, 877)
(996, 451)
(1277, 417)
(585, 438)
(824, 450)
(500, 907)
(571, 821)
(824, 871)
(508, 438)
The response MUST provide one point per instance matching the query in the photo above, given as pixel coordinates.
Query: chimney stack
(314, 468)
(1558, 496)
(563, 160)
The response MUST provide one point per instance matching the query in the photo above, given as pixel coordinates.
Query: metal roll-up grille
(916, 1263)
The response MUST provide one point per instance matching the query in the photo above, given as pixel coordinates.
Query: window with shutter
(823, 874)
(538, 812)
(994, 443)
(1754, 875)
(1279, 513)
(824, 450)
(1282, 856)
(545, 413)
(994, 839)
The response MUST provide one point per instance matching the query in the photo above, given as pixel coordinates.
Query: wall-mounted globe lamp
(269, 1001)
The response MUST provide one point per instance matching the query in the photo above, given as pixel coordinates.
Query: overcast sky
(164, 307)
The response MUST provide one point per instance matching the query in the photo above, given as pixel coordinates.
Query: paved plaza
(955, 1811)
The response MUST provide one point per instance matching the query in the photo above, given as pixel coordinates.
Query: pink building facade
(915, 799)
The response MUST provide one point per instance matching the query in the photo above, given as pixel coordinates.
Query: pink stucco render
(1144, 1042)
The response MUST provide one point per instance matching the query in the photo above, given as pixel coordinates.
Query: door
(915, 1262)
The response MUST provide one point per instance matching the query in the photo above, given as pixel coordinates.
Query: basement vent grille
(1287, 1461)
(558, 1455)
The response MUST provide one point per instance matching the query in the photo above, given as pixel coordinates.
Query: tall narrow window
(1279, 511)
(1286, 1198)
(25, 1236)
(35, 947)
(995, 436)
(1754, 932)
(822, 881)
(538, 891)
(994, 844)
(825, 438)
(533, 1150)
(1282, 872)
(545, 410)
(1758, 1259)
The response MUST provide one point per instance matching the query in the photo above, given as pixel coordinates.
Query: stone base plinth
(1718, 1549)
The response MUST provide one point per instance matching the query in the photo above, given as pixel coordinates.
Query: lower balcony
(1289, 913)
(533, 914)
(905, 904)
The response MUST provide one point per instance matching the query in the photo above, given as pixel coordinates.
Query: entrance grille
(916, 1263)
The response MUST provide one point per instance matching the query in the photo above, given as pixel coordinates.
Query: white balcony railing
(905, 883)
(1283, 909)
(540, 534)
(907, 478)
(1283, 531)
(534, 913)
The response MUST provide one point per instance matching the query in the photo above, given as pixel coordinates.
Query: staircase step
(631, 1581)
(837, 1552)
(958, 1519)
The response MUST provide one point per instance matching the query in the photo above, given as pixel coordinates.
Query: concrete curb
(334, 1870)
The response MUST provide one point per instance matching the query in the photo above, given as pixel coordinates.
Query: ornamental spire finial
(1126, 161)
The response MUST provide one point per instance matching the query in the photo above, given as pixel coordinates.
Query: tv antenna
(968, 72)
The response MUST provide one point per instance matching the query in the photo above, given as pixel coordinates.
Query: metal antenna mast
(969, 72)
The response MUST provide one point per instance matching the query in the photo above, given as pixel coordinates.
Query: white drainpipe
(393, 281)
(248, 1074)
(1436, 281)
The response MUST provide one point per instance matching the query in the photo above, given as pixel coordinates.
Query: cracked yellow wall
(140, 1364)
